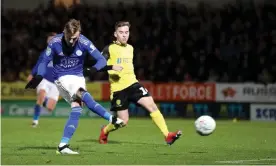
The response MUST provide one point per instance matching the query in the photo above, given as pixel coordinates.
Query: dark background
(173, 41)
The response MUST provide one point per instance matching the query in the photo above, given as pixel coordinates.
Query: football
(205, 125)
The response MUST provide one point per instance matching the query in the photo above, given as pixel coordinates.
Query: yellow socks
(110, 127)
(159, 120)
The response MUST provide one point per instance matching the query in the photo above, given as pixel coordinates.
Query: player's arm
(34, 69)
(46, 57)
(106, 55)
(95, 53)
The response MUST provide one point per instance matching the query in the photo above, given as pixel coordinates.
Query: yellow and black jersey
(121, 55)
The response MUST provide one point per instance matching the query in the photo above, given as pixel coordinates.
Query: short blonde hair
(72, 26)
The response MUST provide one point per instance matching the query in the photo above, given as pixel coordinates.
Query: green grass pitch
(139, 143)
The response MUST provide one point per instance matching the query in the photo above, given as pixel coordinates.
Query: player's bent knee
(148, 103)
(125, 123)
(150, 106)
(80, 92)
(51, 104)
(123, 114)
(41, 97)
(51, 107)
(125, 120)
(79, 95)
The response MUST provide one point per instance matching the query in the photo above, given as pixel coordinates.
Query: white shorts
(50, 89)
(68, 86)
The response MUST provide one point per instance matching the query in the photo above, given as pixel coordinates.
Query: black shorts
(133, 93)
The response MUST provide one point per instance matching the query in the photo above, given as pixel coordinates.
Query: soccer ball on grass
(205, 125)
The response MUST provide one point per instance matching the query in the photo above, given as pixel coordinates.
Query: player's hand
(117, 122)
(34, 82)
(30, 77)
(117, 68)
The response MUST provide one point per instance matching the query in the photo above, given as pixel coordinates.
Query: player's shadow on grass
(198, 152)
(117, 142)
(38, 148)
(97, 141)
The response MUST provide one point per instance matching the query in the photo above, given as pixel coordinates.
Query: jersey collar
(120, 44)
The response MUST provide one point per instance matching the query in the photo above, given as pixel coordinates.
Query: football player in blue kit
(47, 92)
(67, 51)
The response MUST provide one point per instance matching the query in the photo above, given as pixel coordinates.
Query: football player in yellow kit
(125, 88)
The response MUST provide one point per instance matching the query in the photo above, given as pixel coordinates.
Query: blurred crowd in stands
(172, 42)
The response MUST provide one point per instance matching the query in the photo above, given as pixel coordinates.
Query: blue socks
(94, 106)
(71, 125)
(37, 110)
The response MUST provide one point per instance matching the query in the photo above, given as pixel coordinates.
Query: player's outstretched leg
(115, 122)
(158, 119)
(97, 108)
(69, 129)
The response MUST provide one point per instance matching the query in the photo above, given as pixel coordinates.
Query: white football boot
(35, 123)
(65, 150)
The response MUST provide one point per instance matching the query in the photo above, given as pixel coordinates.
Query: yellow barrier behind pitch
(16, 91)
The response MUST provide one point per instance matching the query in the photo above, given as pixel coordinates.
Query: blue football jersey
(69, 62)
(49, 70)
